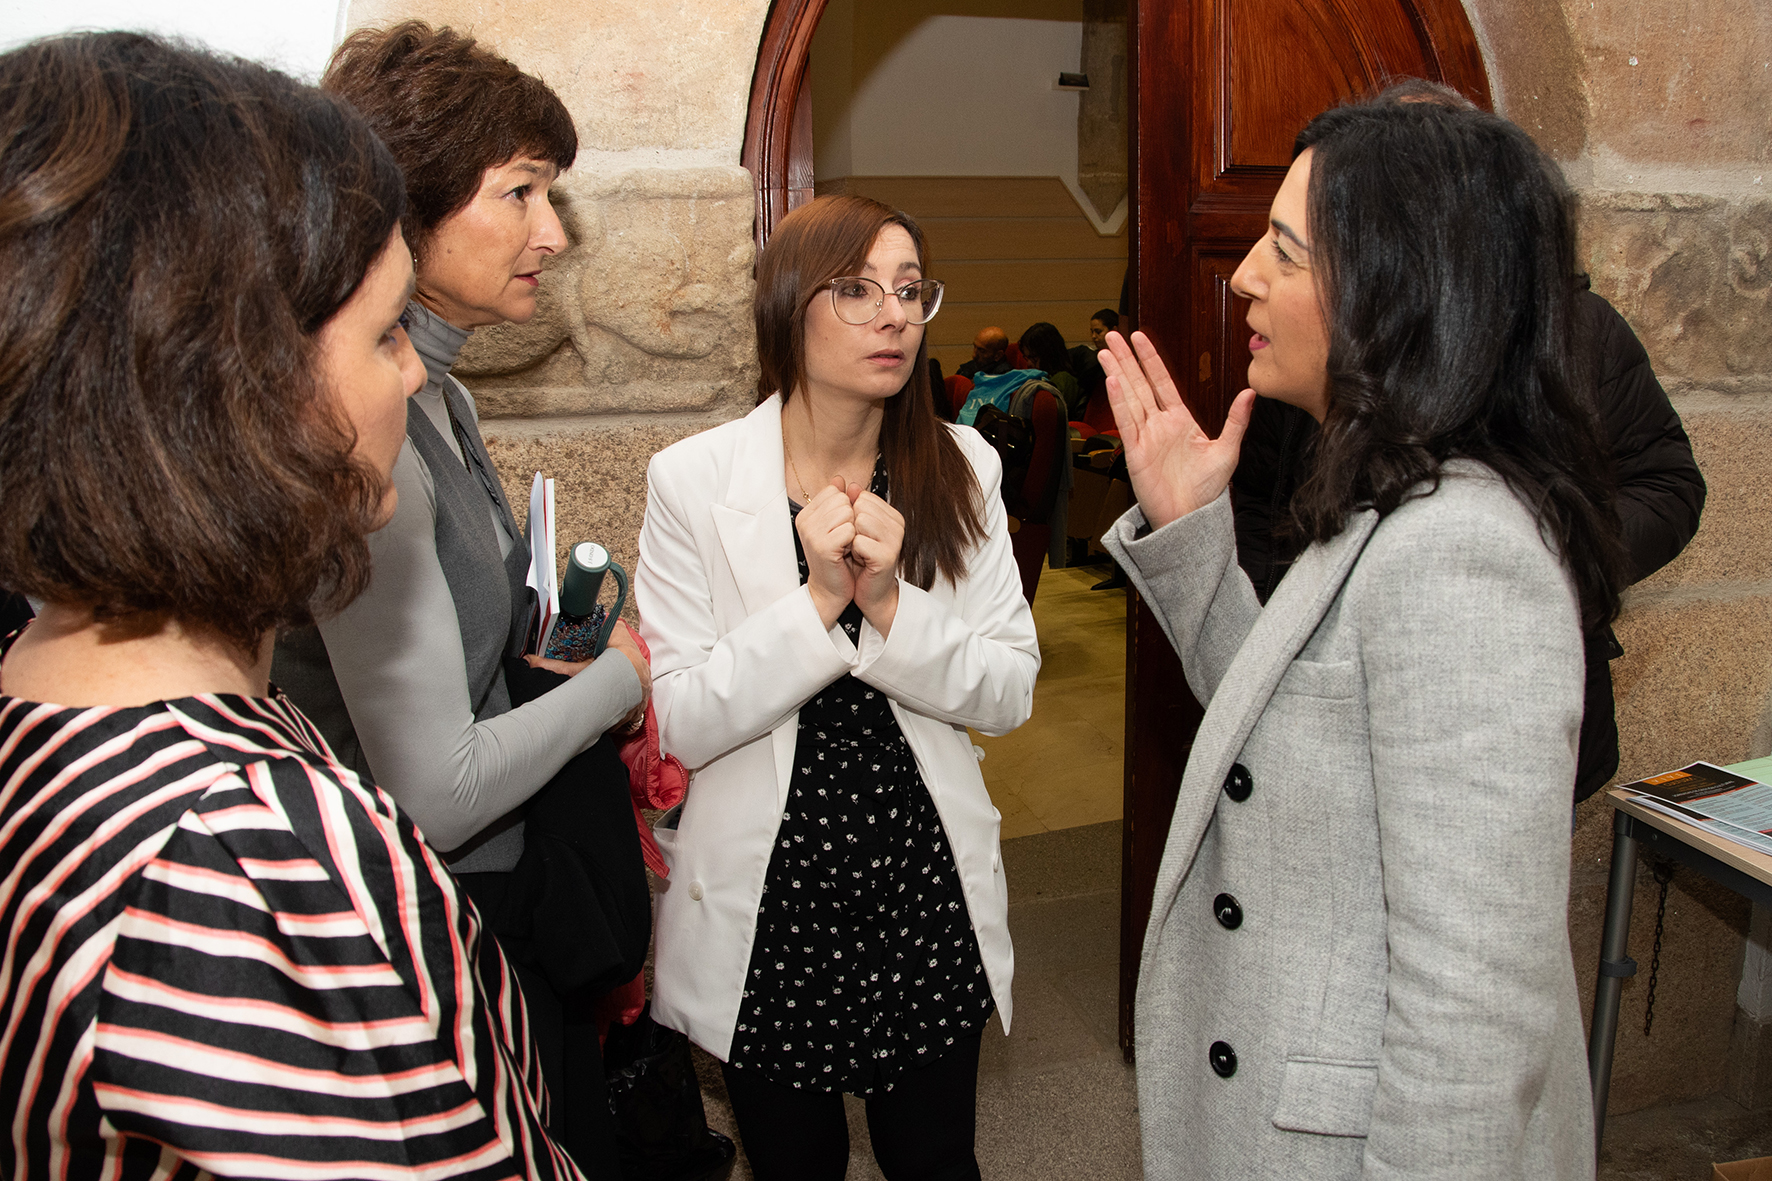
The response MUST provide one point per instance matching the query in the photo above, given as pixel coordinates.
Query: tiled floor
(1062, 768)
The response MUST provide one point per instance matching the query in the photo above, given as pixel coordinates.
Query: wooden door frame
(778, 129)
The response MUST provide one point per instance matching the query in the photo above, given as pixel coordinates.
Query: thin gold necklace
(784, 450)
(807, 496)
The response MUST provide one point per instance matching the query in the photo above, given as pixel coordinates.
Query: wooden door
(1219, 90)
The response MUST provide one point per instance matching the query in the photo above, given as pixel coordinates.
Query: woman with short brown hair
(410, 684)
(223, 952)
(829, 596)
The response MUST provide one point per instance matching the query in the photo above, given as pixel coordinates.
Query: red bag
(655, 780)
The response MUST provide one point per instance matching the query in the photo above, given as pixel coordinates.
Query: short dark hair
(1043, 344)
(1444, 250)
(175, 228)
(1110, 319)
(931, 481)
(449, 110)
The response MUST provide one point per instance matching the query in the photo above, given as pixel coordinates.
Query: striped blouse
(223, 953)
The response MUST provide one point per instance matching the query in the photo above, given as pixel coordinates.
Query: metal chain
(1664, 873)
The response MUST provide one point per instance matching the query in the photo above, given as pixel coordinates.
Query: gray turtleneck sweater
(398, 658)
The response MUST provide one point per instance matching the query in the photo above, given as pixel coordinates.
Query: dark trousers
(922, 1129)
(571, 1055)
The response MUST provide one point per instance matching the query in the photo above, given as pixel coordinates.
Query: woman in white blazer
(830, 600)
(1358, 961)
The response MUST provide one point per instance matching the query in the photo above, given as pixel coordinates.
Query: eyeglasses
(857, 300)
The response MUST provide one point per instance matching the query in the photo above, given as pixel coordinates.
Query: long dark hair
(175, 228)
(1444, 252)
(931, 480)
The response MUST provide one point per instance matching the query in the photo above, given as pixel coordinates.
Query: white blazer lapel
(752, 518)
(1282, 630)
(753, 524)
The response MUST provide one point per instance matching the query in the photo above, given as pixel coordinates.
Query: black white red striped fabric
(224, 954)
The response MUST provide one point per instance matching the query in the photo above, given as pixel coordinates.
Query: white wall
(957, 96)
(293, 35)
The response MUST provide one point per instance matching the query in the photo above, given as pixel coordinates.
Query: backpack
(995, 389)
(1010, 433)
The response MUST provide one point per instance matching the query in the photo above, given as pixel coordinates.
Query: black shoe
(1116, 582)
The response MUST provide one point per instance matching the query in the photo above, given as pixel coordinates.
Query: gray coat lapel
(1282, 630)
(752, 518)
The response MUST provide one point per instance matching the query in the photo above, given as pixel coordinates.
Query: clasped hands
(851, 538)
(1175, 466)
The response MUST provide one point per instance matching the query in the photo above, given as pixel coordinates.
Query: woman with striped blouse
(219, 950)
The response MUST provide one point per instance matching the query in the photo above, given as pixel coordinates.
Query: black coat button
(1223, 1059)
(1228, 913)
(1238, 784)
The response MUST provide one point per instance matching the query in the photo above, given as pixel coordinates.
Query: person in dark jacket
(1660, 497)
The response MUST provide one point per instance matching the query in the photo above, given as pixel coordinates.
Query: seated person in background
(226, 954)
(1042, 348)
(1660, 489)
(1083, 362)
(990, 354)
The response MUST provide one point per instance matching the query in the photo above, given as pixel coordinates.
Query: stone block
(1677, 83)
(1749, 1081)
(1535, 70)
(647, 310)
(672, 74)
(1731, 438)
(599, 473)
(1692, 274)
(1693, 681)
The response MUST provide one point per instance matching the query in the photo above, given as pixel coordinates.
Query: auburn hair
(449, 110)
(931, 481)
(175, 229)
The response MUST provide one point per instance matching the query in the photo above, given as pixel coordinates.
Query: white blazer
(737, 648)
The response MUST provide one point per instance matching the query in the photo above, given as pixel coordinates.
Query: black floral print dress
(865, 964)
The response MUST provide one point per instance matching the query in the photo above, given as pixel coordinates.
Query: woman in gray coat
(1358, 962)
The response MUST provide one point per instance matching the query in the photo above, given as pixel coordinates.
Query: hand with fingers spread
(879, 535)
(1174, 465)
(827, 530)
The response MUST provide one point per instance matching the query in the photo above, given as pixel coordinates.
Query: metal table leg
(1614, 965)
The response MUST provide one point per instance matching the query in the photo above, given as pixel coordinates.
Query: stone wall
(1662, 115)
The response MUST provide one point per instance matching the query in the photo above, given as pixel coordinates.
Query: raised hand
(827, 530)
(873, 557)
(1174, 465)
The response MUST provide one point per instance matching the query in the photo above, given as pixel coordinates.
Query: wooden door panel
(1220, 88)
(1221, 367)
(1260, 93)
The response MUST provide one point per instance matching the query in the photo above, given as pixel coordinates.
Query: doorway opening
(1000, 125)
(1215, 91)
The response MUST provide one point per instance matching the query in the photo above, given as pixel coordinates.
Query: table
(1736, 867)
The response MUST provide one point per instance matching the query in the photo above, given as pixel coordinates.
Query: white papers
(1721, 802)
(542, 577)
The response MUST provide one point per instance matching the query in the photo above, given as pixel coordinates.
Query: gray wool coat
(1358, 958)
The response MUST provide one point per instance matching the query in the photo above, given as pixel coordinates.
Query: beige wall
(1660, 111)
